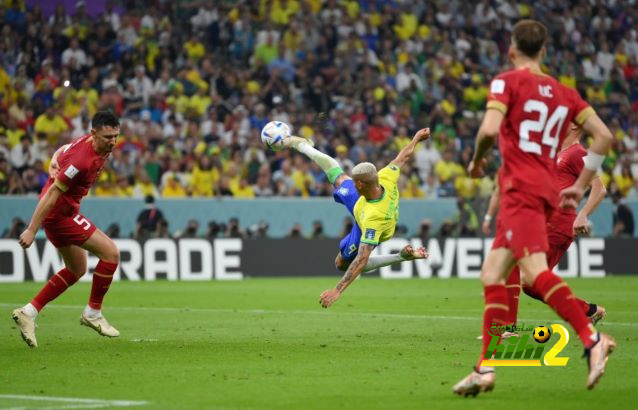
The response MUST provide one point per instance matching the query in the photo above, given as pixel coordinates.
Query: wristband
(593, 161)
(487, 218)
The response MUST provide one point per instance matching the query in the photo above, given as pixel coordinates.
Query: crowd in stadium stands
(195, 81)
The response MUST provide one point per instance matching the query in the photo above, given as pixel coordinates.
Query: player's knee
(77, 269)
(489, 278)
(111, 253)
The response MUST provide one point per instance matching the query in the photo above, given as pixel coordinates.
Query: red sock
(58, 283)
(513, 286)
(586, 307)
(496, 312)
(529, 291)
(560, 298)
(102, 278)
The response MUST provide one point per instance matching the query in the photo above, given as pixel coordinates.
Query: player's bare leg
(104, 248)
(497, 265)
(75, 266)
(408, 253)
(556, 293)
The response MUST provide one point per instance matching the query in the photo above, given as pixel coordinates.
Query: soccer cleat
(294, 142)
(475, 383)
(597, 358)
(598, 315)
(408, 253)
(100, 325)
(26, 325)
(505, 335)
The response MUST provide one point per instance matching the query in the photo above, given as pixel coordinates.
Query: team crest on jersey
(370, 233)
(343, 191)
(71, 171)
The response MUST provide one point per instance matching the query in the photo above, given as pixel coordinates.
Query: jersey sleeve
(500, 94)
(581, 109)
(372, 227)
(71, 170)
(390, 174)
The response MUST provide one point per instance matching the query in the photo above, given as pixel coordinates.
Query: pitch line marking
(299, 312)
(71, 402)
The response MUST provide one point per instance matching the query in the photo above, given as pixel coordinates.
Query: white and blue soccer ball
(274, 133)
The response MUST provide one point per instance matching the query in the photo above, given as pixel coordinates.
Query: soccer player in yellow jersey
(373, 199)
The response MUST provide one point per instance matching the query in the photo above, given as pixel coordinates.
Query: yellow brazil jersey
(378, 218)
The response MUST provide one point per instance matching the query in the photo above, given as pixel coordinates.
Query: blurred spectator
(24, 155)
(465, 220)
(190, 231)
(16, 228)
(317, 230)
(424, 231)
(233, 230)
(196, 80)
(259, 230)
(347, 226)
(162, 229)
(113, 231)
(295, 231)
(148, 219)
(213, 231)
(623, 218)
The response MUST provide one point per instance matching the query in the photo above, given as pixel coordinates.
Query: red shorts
(560, 236)
(558, 245)
(68, 230)
(521, 226)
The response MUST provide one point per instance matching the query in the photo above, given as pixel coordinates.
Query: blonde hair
(365, 171)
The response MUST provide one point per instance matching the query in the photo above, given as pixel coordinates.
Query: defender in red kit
(75, 167)
(530, 112)
(563, 225)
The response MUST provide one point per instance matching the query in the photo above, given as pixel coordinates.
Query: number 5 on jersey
(80, 220)
(543, 125)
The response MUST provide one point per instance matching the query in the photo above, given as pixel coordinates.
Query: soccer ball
(274, 134)
(542, 334)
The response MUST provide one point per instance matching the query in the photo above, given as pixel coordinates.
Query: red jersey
(569, 165)
(538, 110)
(79, 167)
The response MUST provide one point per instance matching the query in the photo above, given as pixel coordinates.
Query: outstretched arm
(330, 296)
(597, 194)
(41, 211)
(594, 126)
(487, 133)
(406, 153)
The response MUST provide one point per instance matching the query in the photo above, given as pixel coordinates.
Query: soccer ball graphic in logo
(274, 134)
(542, 334)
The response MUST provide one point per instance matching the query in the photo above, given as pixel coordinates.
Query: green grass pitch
(266, 343)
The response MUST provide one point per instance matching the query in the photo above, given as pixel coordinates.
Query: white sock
(92, 313)
(326, 162)
(30, 310)
(380, 261)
